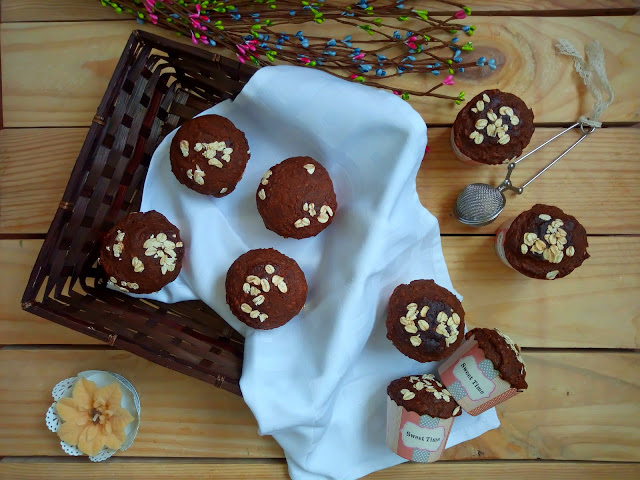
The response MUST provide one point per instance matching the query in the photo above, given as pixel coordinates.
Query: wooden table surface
(581, 415)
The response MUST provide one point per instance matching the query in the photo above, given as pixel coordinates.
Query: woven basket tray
(156, 85)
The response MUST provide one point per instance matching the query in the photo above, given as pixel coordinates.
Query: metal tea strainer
(480, 204)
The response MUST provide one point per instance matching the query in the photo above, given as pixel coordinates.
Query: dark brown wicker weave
(156, 85)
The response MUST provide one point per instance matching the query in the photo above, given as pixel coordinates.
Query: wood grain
(58, 10)
(79, 58)
(597, 182)
(564, 313)
(181, 416)
(17, 326)
(528, 66)
(581, 183)
(213, 470)
(579, 406)
(35, 166)
(77, 10)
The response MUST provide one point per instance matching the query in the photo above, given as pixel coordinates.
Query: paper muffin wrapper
(501, 236)
(472, 379)
(130, 402)
(420, 438)
(461, 156)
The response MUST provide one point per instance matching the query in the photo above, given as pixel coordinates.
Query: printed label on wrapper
(420, 438)
(501, 236)
(472, 380)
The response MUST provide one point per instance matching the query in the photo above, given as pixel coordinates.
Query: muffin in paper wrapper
(472, 379)
(420, 438)
(466, 159)
(461, 156)
(501, 236)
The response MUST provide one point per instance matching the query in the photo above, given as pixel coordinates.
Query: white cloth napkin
(318, 384)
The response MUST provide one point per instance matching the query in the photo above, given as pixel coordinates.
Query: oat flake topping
(428, 383)
(493, 125)
(447, 325)
(118, 247)
(159, 246)
(552, 246)
(256, 287)
(210, 150)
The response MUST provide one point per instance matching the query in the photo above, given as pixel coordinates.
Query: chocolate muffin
(493, 128)
(265, 289)
(424, 395)
(503, 353)
(424, 321)
(209, 154)
(545, 243)
(296, 199)
(142, 253)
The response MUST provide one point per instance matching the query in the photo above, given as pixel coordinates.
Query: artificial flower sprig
(401, 38)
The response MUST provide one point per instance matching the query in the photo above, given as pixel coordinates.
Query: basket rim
(76, 181)
(66, 203)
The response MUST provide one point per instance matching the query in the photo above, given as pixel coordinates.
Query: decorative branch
(260, 31)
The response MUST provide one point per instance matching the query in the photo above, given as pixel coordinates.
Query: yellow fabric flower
(92, 417)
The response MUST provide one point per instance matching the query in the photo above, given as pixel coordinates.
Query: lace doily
(130, 401)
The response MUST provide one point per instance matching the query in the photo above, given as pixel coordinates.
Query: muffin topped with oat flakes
(209, 154)
(424, 395)
(265, 288)
(503, 353)
(493, 128)
(296, 198)
(544, 242)
(424, 321)
(142, 253)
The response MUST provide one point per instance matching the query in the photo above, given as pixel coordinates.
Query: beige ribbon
(594, 75)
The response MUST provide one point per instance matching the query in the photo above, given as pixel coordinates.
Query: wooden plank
(167, 469)
(564, 313)
(55, 11)
(35, 166)
(580, 406)
(79, 58)
(17, 326)
(181, 416)
(583, 183)
(528, 66)
(597, 182)
(82, 10)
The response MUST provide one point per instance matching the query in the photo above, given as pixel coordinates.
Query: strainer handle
(506, 183)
